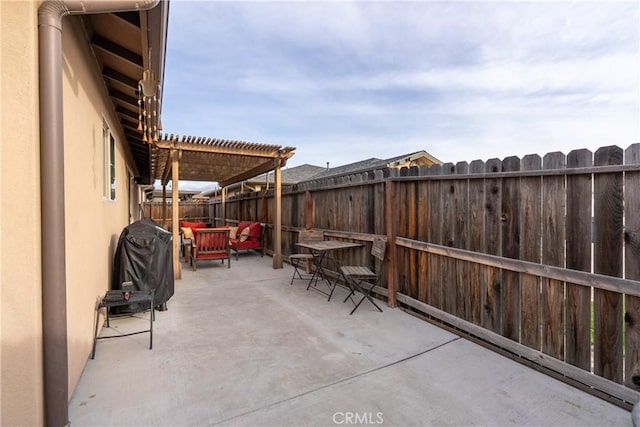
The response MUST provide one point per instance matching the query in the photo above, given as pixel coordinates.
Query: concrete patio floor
(241, 347)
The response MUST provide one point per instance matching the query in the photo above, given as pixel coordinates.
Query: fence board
(579, 232)
(492, 300)
(530, 232)
(461, 233)
(423, 235)
(553, 235)
(370, 212)
(447, 193)
(608, 214)
(412, 223)
(402, 194)
(510, 249)
(632, 265)
(378, 209)
(477, 272)
(435, 236)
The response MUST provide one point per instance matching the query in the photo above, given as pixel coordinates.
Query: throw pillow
(233, 232)
(187, 232)
(244, 235)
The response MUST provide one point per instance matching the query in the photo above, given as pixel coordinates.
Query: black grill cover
(145, 257)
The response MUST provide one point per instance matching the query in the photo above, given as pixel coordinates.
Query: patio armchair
(364, 279)
(211, 244)
(249, 235)
(303, 259)
(187, 230)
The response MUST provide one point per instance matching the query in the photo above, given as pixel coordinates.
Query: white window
(109, 145)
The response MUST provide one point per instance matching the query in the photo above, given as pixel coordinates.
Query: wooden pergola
(190, 158)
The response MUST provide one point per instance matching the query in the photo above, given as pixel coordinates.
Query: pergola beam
(263, 168)
(222, 149)
(167, 170)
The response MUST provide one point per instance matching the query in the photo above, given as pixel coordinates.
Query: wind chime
(148, 107)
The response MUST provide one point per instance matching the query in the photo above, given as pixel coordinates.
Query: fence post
(391, 214)
(277, 226)
(164, 204)
(175, 210)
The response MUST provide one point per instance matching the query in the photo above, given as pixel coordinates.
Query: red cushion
(254, 231)
(253, 242)
(193, 225)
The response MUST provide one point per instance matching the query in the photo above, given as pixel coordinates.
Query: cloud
(462, 80)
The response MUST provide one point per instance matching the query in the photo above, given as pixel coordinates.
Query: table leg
(319, 273)
(317, 262)
(152, 316)
(95, 334)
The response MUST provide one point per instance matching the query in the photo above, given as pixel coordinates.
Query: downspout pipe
(54, 295)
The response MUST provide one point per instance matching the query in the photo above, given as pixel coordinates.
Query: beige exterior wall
(93, 224)
(20, 287)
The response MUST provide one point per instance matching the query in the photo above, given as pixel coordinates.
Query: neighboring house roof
(362, 165)
(374, 163)
(408, 158)
(291, 176)
(307, 172)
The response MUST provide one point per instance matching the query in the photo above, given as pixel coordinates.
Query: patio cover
(190, 158)
(211, 159)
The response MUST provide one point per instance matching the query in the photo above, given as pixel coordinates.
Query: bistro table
(321, 248)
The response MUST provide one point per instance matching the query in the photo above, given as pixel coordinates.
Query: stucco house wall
(93, 223)
(20, 288)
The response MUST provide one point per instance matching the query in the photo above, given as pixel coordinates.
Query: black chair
(300, 260)
(365, 279)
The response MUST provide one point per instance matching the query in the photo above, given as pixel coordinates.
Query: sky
(344, 81)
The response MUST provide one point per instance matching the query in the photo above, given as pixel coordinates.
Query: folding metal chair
(299, 261)
(364, 279)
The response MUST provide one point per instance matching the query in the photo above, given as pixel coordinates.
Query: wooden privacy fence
(191, 211)
(539, 256)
